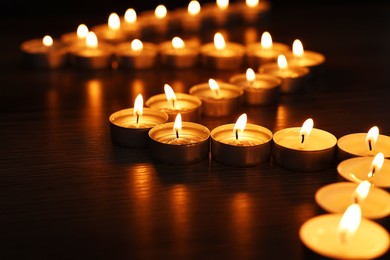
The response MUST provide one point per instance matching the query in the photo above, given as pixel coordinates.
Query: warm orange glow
(160, 12)
(252, 3)
(82, 31)
(177, 43)
(193, 8)
(376, 164)
(177, 125)
(240, 125)
(47, 41)
(138, 105)
(91, 40)
(306, 129)
(297, 48)
(170, 94)
(282, 62)
(136, 45)
(250, 75)
(223, 4)
(349, 223)
(361, 191)
(214, 86)
(219, 41)
(266, 40)
(372, 137)
(114, 22)
(130, 16)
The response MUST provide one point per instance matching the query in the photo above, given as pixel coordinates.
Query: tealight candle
(294, 78)
(251, 11)
(179, 142)
(136, 54)
(265, 51)
(129, 127)
(173, 103)
(218, 98)
(219, 13)
(241, 144)
(179, 54)
(304, 58)
(345, 236)
(304, 148)
(130, 25)
(222, 55)
(77, 38)
(156, 21)
(363, 144)
(110, 32)
(336, 197)
(190, 18)
(45, 53)
(359, 169)
(93, 55)
(259, 89)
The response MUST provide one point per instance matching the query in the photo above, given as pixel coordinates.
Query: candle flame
(306, 129)
(250, 75)
(361, 191)
(222, 4)
(91, 40)
(349, 222)
(177, 43)
(193, 8)
(372, 137)
(214, 86)
(130, 16)
(82, 31)
(297, 48)
(160, 12)
(252, 3)
(47, 41)
(138, 105)
(114, 22)
(240, 125)
(376, 164)
(170, 94)
(177, 125)
(266, 40)
(136, 45)
(219, 41)
(282, 62)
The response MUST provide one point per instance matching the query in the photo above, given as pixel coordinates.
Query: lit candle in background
(110, 32)
(218, 14)
(259, 89)
(218, 98)
(304, 148)
(77, 38)
(222, 55)
(44, 53)
(294, 78)
(179, 54)
(345, 236)
(136, 54)
(129, 127)
(156, 22)
(189, 19)
(179, 142)
(241, 144)
(251, 11)
(130, 25)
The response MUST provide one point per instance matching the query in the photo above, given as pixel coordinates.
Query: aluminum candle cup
(185, 56)
(130, 58)
(262, 90)
(192, 145)
(320, 234)
(353, 145)
(230, 57)
(257, 55)
(336, 197)
(126, 132)
(251, 148)
(226, 102)
(188, 106)
(38, 55)
(316, 154)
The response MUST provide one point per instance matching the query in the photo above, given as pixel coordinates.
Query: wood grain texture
(66, 192)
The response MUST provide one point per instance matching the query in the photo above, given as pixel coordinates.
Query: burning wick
(306, 129)
(177, 125)
(376, 164)
(138, 108)
(240, 124)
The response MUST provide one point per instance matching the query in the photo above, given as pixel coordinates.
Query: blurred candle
(130, 25)
(110, 32)
(136, 54)
(179, 54)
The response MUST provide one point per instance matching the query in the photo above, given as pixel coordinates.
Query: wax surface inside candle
(252, 135)
(179, 105)
(260, 82)
(148, 49)
(36, 46)
(355, 144)
(126, 119)
(308, 59)
(230, 50)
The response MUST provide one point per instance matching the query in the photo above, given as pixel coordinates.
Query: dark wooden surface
(67, 193)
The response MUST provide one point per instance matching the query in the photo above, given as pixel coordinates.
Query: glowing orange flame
(372, 137)
(240, 125)
(306, 129)
(91, 40)
(219, 41)
(82, 31)
(349, 222)
(297, 48)
(177, 43)
(266, 40)
(136, 45)
(282, 62)
(47, 41)
(130, 15)
(193, 8)
(160, 12)
(114, 22)
(250, 75)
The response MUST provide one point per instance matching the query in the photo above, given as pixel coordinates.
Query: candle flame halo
(376, 164)
(223, 4)
(266, 40)
(306, 129)
(160, 12)
(91, 40)
(240, 125)
(177, 43)
(193, 8)
(372, 137)
(250, 75)
(252, 3)
(137, 45)
(349, 223)
(219, 41)
(297, 48)
(130, 15)
(82, 31)
(170, 94)
(47, 41)
(282, 62)
(214, 86)
(177, 126)
(138, 105)
(114, 22)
